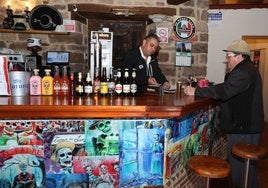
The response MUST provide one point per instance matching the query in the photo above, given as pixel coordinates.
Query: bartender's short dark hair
(152, 35)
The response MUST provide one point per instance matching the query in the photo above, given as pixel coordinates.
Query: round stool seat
(209, 166)
(248, 151)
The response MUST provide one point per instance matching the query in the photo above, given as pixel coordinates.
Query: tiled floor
(262, 167)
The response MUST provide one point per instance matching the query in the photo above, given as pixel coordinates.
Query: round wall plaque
(184, 28)
(44, 17)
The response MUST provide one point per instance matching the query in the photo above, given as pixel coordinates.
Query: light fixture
(157, 18)
(123, 12)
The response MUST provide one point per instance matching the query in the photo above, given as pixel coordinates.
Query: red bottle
(72, 84)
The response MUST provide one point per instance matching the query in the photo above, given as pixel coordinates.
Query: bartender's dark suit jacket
(241, 109)
(133, 59)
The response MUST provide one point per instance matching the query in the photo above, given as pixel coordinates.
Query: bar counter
(140, 141)
(145, 106)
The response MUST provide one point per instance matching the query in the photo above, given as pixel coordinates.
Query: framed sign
(184, 29)
(162, 33)
(183, 54)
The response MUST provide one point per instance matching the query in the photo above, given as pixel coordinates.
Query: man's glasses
(230, 55)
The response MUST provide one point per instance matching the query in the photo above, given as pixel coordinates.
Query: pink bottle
(35, 83)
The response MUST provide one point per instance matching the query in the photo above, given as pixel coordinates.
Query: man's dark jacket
(241, 96)
(133, 59)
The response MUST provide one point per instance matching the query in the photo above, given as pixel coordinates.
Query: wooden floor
(262, 167)
(263, 164)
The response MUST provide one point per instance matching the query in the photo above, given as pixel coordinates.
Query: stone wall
(77, 43)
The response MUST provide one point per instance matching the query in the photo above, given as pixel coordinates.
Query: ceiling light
(158, 17)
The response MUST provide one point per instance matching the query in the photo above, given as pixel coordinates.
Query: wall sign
(215, 16)
(162, 33)
(183, 28)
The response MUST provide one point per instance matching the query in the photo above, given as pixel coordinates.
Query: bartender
(143, 58)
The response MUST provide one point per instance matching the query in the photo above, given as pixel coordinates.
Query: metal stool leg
(246, 171)
(207, 182)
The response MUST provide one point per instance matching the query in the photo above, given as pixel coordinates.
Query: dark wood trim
(245, 37)
(98, 8)
(33, 32)
(238, 6)
(105, 12)
(176, 2)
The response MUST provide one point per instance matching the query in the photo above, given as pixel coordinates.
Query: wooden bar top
(144, 106)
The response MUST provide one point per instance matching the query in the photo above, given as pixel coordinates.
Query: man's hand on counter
(166, 85)
(152, 81)
(188, 90)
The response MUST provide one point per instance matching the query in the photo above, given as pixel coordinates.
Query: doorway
(260, 44)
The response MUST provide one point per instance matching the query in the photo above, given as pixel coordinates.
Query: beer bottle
(79, 88)
(118, 84)
(104, 83)
(133, 84)
(88, 85)
(126, 83)
(111, 83)
(96, 85)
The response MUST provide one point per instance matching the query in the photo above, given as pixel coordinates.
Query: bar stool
(248, 152)
(209, 167)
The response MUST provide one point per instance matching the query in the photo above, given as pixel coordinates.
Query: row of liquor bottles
(105, 84)
(48, 85)
(78, 84)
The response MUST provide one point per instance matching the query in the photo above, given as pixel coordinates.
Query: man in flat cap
(241, 112)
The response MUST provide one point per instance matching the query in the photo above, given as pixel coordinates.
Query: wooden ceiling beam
(176, 2)
(97, 8)
(237, 6)
(107, 12)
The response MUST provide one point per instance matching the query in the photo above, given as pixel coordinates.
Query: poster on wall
(184, 29)
(162, 33)
(183, 54)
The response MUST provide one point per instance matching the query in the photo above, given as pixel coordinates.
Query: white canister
(19, 83)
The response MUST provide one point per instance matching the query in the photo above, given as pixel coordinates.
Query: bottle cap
(36, 71)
